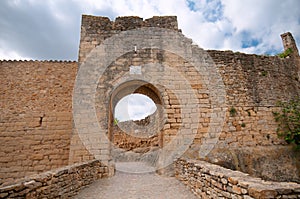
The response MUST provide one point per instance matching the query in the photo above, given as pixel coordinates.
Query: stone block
(259, 192)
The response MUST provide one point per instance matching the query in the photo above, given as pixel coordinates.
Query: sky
(50, 29)
(134, 107)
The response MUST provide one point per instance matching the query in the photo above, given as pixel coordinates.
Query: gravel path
(132, 181)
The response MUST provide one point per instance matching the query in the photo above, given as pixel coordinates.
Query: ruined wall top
(128, 22)
(95, 29)
(289, 42)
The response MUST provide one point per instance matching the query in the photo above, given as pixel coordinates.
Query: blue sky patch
(214, 11)
(191, 4)
(250, 43)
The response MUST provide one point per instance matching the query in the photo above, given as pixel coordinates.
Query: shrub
(286, 53)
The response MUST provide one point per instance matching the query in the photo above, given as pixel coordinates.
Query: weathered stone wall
(78, 152)
(289, 43)
(211, 181)
(94, 30)
(143, 134)
(64, 182)
(255, 80)
(35, 116)
(134, 140)
(249, 142)
(171, 104)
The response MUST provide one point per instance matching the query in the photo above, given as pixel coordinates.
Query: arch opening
(135, 120)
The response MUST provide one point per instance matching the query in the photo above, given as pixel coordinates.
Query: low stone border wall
(64, 182)
(212, 181)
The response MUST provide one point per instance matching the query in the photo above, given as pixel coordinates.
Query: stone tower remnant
(289, 42)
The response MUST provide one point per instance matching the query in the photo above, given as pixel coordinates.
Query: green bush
(288, 119)
(286, 53)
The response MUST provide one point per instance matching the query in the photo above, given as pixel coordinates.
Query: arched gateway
(157, 61)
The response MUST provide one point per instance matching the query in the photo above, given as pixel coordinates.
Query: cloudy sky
(134, 107)
(49, 29)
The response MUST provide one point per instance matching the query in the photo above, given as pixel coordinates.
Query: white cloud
(134, 107)
(222, 24)
(264, 21)
(11, 55)
(50, 29)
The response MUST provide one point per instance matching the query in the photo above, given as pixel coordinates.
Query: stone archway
(142, 136)
(188, 82)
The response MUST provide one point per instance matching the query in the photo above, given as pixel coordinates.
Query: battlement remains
(96, 23)
(95, 29)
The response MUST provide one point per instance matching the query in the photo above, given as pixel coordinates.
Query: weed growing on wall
(116, 121)
(288, 119)
(286, 53)
(232, 111)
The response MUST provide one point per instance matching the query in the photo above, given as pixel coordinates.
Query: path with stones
(136, 181)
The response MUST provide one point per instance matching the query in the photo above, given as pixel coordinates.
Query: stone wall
(119, 70)
(94, 30)
(129, 142)
(134, 140)
(289, 43)
(249, 142)
(64, 182)
(211, 181)
(135, 134)
(35, 116)
(256, 80)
